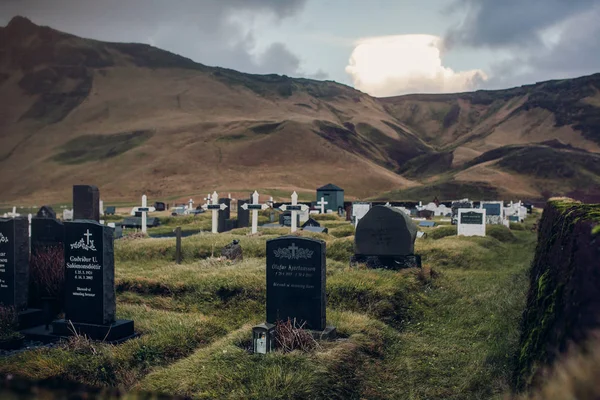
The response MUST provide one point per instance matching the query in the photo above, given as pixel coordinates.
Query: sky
(381, 47)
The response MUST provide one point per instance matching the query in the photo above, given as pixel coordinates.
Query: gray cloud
(212, 32)
(517, 27)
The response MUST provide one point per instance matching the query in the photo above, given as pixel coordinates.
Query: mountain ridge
(73, 109)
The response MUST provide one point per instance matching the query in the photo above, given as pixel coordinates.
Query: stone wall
(563, 302)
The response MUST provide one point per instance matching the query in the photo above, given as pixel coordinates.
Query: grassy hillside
(73, 111)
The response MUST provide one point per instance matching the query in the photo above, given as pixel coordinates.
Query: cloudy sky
(382, 47)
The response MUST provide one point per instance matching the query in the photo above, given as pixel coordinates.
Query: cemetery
(273, 300)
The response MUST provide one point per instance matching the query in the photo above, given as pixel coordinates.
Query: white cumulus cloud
(400, 64)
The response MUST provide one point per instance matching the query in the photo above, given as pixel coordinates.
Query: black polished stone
(243, 216)
(86, 202)
(89, 276)
(14, 262)
(385, 231)
(296, 270)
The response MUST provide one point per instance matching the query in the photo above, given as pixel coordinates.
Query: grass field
(448, 331)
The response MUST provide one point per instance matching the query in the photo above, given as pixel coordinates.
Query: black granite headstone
(285, 219)
(296, 281)
(385, 238)
(14, 262)
(243, 216)
(227, 211)
(46, 232)
(46, 212)
(160, 206)
(90, 301)
(86, 202)
(221, 221)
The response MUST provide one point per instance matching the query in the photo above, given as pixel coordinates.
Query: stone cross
(207, 199)
(215, 207)
(321, 204)
(255, 206)
(14, 214)
(294, 208)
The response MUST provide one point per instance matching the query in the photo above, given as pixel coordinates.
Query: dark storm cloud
(517, 27)
(213, 32)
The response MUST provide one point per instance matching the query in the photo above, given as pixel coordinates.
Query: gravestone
(285, 219)
(471, 222)
(14, 262)
(86, 202)
(14, 270)
(67, 215)
(493, 212)
(90, 300)
(222, 220)
(385, 238)
(46, 212)
(427, 224)
(160, 206)
(227, 211)
(243, 216)
(296, 271)
(428, 214)
(110, 210)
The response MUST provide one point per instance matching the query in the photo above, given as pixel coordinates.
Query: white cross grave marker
(191, 204)
(29, 219)
(215, 207)
(14, 213)
(144, 210)
(294, 208)
(101, 206)
(321, 204)
(255, 206)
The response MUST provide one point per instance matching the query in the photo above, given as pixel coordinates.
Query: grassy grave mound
(563, 301)
(501, 233)
(442, 232)
(331, 371)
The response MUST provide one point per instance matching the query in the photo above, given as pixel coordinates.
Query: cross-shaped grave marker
(322, 204)
(215, 207)
(14, 213)
(190, 204)
(294, 208)
(255, 206)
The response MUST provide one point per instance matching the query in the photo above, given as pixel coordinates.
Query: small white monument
(471, 221)
(322, 204)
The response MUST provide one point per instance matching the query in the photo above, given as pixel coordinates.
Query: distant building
(333, 195)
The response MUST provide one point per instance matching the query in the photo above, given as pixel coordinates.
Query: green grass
(449, 331)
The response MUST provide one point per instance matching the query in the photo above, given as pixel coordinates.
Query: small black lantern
(263, 338)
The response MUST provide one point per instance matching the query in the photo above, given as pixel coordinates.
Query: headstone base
(391, 262)
(30, 317)
(119, 331)
(329, 333)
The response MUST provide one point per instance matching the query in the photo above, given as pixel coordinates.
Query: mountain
(133, 119)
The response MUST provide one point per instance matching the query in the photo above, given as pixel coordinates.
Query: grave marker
(385, 238)
(471, 221)
(296, 273)
(86, 202)
(215, 207)
(294, 208)
(90, 300)
(255, 206)
(322, 204)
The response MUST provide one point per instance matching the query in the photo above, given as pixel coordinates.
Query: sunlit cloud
(400, 64)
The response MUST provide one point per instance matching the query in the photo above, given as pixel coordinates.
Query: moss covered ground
(448, 331)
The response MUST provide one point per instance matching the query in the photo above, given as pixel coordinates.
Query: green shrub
(8, 323)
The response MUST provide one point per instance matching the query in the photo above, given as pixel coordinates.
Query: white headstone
(29, 219)
(67, 215)
(471, 222)
(359, 210)
(101, 206)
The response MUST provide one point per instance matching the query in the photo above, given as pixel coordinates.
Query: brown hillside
(131, 118)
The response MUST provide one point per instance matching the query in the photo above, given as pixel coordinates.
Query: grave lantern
(263, 338)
